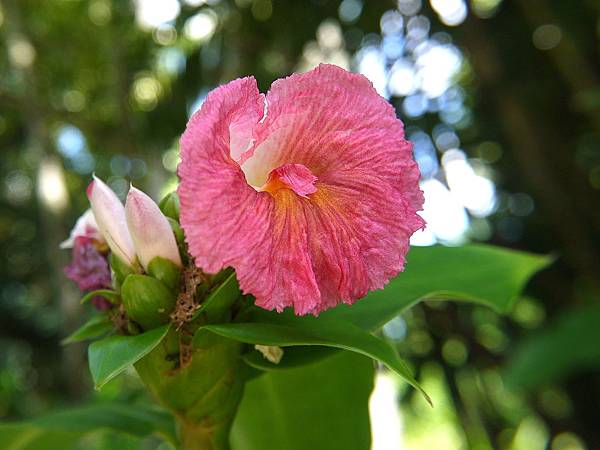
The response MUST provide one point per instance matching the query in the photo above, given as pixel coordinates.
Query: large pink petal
(217, 203)
(313, 251)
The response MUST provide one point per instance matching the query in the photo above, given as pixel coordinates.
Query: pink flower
(309, 192)
(109, 213)
(89, 269)
(152, 235)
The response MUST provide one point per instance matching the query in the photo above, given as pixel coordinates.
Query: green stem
(204, 394)
(200, 436)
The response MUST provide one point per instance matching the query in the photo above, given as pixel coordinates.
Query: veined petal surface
(309, 192)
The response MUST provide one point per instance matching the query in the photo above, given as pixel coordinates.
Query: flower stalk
(200, 381)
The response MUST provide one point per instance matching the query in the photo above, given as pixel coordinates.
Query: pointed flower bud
(110, 217)
(152, 235)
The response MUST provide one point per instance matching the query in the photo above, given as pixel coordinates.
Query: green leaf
(285, 332)
(320, 406)
(487, 275)
(476, 273)
(169, 205)
(568, 347)
(217, 307)
(178, 232)
(63, 429)
(166, 271)
(109, 295)
(26, 436)
(147, 300)
(97, 326)
(112, 355)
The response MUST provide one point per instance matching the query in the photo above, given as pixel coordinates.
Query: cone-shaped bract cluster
(140, 238)
(135, 232)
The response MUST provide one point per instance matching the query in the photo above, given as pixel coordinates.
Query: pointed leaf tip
(112, 355)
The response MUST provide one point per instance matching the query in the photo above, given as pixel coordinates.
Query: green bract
(120, 269)
(147, 300)
(169, 206)
(166, 271)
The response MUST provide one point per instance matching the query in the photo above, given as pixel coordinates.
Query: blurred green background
(501, 100)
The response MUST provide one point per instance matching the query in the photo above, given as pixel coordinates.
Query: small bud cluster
(89, 267)
(137, 232)
(141, 244)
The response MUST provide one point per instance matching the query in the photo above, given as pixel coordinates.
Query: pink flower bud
(89, 268)
(152, 235)
(110, 217)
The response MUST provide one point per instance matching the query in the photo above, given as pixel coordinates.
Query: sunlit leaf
(477, 273)
(284, 332)
(321, 406)
(482, 274)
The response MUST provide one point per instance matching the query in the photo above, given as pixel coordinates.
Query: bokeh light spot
(350, 10)
(74, 100)
(262, 10)
(21, 53)
(450, 12)
(485, 8)
(99, 12)
(52, 188)
(594, 177)
(489, 151)
(165, 34)
(152, 13)
(454, 351)
(547, 36)
(18, 187)
(200, 27)
(567, 441)
(528, 313)
(555, 403)
(146, 91)
(170, 160)
(409, 7)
